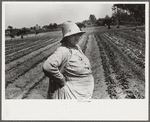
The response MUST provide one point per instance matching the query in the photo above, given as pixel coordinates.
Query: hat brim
(82, 32)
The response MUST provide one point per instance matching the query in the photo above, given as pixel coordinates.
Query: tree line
(123, 14)
(129, 14)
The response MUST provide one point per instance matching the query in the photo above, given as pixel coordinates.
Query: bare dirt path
(92, 53)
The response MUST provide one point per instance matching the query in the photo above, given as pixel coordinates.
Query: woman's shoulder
(63, 49)
(63, 52)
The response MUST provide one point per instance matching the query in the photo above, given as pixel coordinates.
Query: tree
(55, 25)
(134, 11)
(99, 21)
(92, 19)
(51, 26)
(107, 21)
(80, 25)
(23, 28)
(10, 27)
(118, 15)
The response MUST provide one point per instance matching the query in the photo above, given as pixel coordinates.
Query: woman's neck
(70, 46)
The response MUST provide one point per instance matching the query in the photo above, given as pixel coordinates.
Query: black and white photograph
(78, 52)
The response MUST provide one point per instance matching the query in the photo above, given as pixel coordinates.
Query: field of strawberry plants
(117, 58)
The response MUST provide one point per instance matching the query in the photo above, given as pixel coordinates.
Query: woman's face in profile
(74, 39)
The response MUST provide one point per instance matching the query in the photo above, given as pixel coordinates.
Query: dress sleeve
(52, 64)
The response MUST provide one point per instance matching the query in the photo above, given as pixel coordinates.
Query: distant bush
(132, 23)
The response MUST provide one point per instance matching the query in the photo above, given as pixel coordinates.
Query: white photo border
(74, 109)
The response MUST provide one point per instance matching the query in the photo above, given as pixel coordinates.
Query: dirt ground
(92, 52)
(118, 70)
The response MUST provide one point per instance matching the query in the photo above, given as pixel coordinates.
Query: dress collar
(76, 47)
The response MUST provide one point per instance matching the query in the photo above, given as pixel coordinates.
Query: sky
(28, 14)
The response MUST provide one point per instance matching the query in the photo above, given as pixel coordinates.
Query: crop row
(119, 84)
(139, 49)
(32, 38)
(8, 47)
(131, 38)
(116, 67)
(137, 71)
(23, 45)
(16, 72)
(133, 53)
(136, 39)
(25, 83)
(38, 90)
(136, 33)
(121, 75)
(26, 51)
(20, 41)
(108, 79)
(28, 57)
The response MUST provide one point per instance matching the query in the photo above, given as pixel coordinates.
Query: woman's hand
(63, 82)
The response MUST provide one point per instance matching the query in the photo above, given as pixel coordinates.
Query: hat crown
(69, 28)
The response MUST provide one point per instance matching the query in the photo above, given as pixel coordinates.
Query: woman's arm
(52, 64)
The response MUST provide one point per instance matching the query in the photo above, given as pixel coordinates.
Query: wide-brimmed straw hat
(70, 28)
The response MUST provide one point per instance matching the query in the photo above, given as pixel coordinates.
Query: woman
(68, 68)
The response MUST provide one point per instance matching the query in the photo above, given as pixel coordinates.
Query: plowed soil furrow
(132, 39)
(12, 52)
(135, 33)
(92, 53)
(119, 81)
(28, 57)
(137, 71)
(26, 51)
(10, 46)
(13, 49)
(16, 43)
(22, 69)
(133, 36)
(135, 54)
(39, 91)
(25, 45)
(109, 79)
(24, 83)
(127, 45)
(20, 41)
(133, 44)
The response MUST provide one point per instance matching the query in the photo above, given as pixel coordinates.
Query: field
(117, 58)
